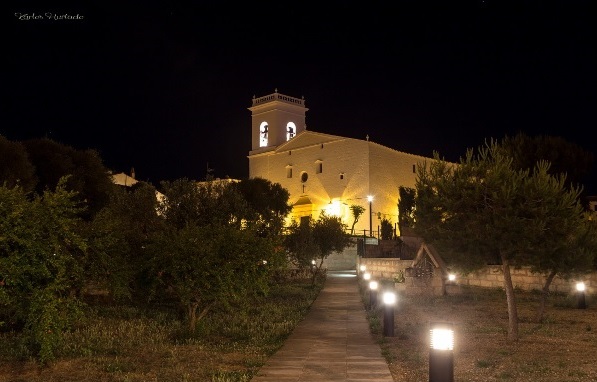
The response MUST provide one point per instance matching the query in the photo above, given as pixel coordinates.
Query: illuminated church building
(324, 172)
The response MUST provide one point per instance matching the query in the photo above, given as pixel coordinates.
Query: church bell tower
(275, 119)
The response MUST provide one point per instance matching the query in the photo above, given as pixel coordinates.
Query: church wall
(390, 169)
(348, 157)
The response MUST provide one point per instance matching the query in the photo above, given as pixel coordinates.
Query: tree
(484, 208)
(356, 211)
(15, 167)
(118, 235)
(568, 241)
(406, 207)
(387, 230)
(267, 204)
(565, 158)
(204, 256)
(86, 173)
(312, 241)
(40, 265)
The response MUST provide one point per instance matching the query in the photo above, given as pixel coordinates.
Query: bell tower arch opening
(276, 118)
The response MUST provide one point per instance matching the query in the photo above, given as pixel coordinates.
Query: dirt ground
(561, 348)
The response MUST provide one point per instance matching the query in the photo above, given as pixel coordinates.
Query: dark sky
(165, 88)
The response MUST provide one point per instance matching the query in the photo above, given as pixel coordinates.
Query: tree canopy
(486, 210)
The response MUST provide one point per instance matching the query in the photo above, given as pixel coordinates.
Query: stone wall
(489, 277)
(492, 277)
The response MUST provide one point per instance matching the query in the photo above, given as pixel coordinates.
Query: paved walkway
(332, 343)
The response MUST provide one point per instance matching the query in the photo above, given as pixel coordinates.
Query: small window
(289, 172)
(341, 176)
(304, 177)
(414, 168)
(322, 145)
(318, 166)
(289, 152)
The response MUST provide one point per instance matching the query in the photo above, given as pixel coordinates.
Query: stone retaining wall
(489, 277)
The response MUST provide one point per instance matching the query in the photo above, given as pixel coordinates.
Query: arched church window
(304, 177)
(290, 130)
(263, 134)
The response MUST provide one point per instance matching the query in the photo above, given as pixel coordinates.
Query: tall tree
(406, 207)
(118, 235)
(484, 208)
(40, 265)
(204, 256)
(565, 158)
(15, 167)
(267, 204)
(86, 173)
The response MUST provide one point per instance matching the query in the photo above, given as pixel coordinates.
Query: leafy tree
(565, 158)
(387, 230)
(15, 167)
(483, 208)
(117, 259)
(356, 211)
(568, 240)
(40, 265)
(406, 207)
(267, 204)
(204, 256)
(86, 173)
(317, 240)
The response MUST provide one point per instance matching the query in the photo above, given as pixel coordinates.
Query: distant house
(126, 180)
(123, 179)
(324, 172)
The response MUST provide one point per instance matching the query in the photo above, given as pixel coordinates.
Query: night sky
(165, 88)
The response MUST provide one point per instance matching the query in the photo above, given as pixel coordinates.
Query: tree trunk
(192, 315)
(512, 311)
(544, 294)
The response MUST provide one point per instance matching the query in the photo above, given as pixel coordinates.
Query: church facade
(324, 172)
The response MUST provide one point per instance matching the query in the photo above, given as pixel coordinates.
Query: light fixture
(367, 276)
(389, 300)
(441, 354)
(581, 302)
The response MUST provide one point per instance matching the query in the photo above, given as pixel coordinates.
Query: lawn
(127, 343)
(562, 348)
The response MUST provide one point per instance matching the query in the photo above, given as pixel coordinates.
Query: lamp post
(580, 295)
(441, 354)
(389, 300)
(370, 200)
(372, 294)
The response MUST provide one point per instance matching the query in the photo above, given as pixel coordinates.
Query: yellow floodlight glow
(580, 286)
(334, 208)
(367, 276)
(373, 285)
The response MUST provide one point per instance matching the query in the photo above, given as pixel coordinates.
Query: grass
(560, 348)
(129, 344)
